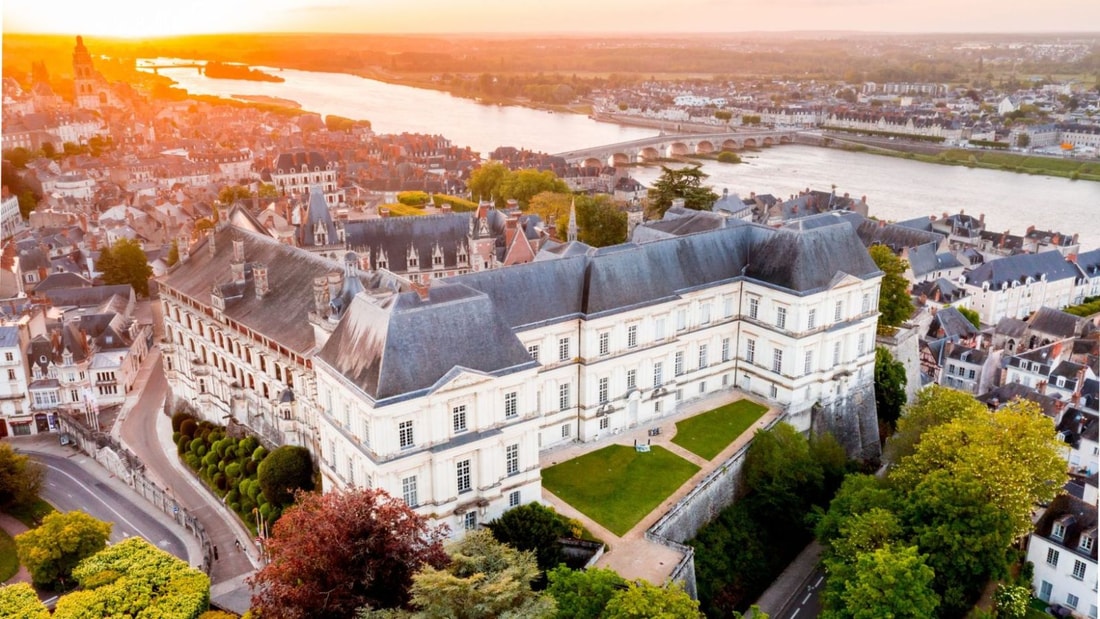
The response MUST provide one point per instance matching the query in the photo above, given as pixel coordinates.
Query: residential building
(1063, 550)
(1016, 286)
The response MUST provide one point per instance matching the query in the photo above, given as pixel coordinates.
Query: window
(754, 307)
(659, 329)
(1052, 557)
(408, 491)
(9, 356)
(836, 353)
(1079, 570)
(605, 343)
(781, 317)
(750, 351)
(632, 336)
(703, 387)
(1045, 590)
(678, 363)
(657, 407)
(511, 404)
(563, 349)
(777, 361)
(533, 350)
(605, 423)
(702, 356)
(838, 311)
(469, 521)
(1058, 531)
(862, 343)
(970, 374)
(727, 307)
(681, 319)
(462, 470)
(704, 314)
(351, 471)
(774, 392)
(811, 318)
(458, 415)
(563, 396)
(1072, 600)
(631, 379)
(511, 459)
(513, 499)
(1086, 543)
(603, 390)
(679, 394)
(725, 349)
(11, 374)
(658, 374)
(405, 434)
(565, 430)
(866, 303)
(809, 364)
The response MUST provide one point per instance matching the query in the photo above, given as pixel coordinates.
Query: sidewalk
(13, 527)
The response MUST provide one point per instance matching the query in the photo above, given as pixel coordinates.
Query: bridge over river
(648, 149)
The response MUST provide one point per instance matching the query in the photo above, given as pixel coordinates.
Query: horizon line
(522, 34)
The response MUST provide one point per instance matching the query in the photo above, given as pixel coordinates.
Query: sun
(135, 18)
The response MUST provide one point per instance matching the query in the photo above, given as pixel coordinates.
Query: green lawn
(707, 434)
(617, 486)
(9, 562)
(31, 515)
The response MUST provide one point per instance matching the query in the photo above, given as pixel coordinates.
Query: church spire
(572, 235)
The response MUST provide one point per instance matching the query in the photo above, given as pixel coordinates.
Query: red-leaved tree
(334, 553)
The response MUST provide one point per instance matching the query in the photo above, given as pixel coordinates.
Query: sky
(147, 18)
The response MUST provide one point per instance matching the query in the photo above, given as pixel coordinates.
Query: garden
(707, 434)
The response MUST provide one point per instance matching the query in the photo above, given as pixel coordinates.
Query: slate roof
(406, 344)
(283, 314)
(9, 337)
(394, 235)
(940, 290)
(317, 215)
(1053, 322)
(953, 324)
(1083, 520)
(1018, 268)
(999, 396)
(86, 297)
(924, 259)
(62, 280)
(1011, 327)
(1089, 263)
(293, 162)
(807, 261)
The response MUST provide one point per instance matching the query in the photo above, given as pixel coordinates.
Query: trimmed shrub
(192, 461)
(178, 419)
(183, 445)
(188, 428)
(248, 444)
(220, 481)
(412, 198)
(233, 470)
(259, 453)
(283, 471)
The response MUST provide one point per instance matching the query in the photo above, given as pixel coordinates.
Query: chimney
(259, 280)
(320, 294)
(1030, 229)
(384, 212)
(422, 290)
(1072, 258)
(335, 283)
(446, 207)
(981, 217)
(210, 242)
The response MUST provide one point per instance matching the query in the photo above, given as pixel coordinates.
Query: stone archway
(618, 159)
(750, 142)
(705, 147)
(648, 154)
(730, 145)
(592, 162)
(677, 149)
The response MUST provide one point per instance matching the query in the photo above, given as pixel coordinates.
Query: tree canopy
(233, 193)
(890, 381)
(583, 594)
(894, 303)
(485, 181)
(334, 553)
(887, 582)
(284, 471)
(686, 183)
(522, 185)
(642, 600)
(536, 528)
(53, 549)
(125, 262)
(20, 478)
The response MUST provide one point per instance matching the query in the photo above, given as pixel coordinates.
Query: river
(895, 188)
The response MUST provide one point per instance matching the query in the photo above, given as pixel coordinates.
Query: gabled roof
(54, 281)
(1083, 520)
(317, 217)
(395, 235)
(86, 297)
(953, 325)
(806, 261)
(1018, 268)
(1053, 322)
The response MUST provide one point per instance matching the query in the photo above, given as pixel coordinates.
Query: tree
(1023, 140)
(18, 156)
(686, 183)
(890, 381)
(333, 553)
(642, 600)
(601, 223)
(536, 528)
(267, 191)
(865, 532)
(20, 601)
(887, 582)
(1011, 601)
(173, 254)
(125, 263)
(27, 203)
(52, 550)
(233, 193)
(552, 208)
(484, 579)
(972, 316)
(857, 495)
(934, 405)
(1014, 453)
(283, 472)
(484, 182)
(583, 594)
(894, 303)
(782, 475)
(523, 185)
(20, 478)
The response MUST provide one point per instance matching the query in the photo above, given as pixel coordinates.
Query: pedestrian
(238, 543)
(215, 553)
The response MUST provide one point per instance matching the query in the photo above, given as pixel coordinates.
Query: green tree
(972, 316)
(890, 381)
(27, 203)
(552, 208)
(267, 191)
(782, 474)
(934, 405)
(887, 582)
(583, 594)
(1023, 140)
(484, 182)
(173, 254)
(685, 183)
(857, 495)
(52, 550)
(642, 600)
(1013, 453)
(535, 528)
(484, 579)
(231, 194)
(20, 479)
(20, 601)
(18, 156)
(1011, 601)
(523, 185)
(125, 263)
(283, 472)
(865, 532)
(894, 303)
(600, 222)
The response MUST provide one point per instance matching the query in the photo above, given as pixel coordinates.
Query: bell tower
(84, 77)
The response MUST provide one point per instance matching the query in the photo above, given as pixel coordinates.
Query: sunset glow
(139, 18)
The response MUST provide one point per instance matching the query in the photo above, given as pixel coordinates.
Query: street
(808, 601)
(69, 487)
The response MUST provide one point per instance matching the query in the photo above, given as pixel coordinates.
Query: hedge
(19, 601)
(283, 471)
(458, 205)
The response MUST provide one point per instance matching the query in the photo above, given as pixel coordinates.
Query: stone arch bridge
(669, 146)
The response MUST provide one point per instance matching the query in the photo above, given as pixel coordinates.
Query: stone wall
(903, 345)
(853, 419)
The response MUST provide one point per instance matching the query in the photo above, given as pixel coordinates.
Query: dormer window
(1058, 531)
(437, 256)
(67, 358)
(413, 259)
(1088, 541)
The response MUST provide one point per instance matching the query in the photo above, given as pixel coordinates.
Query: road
(807, 603)
(69, 487)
